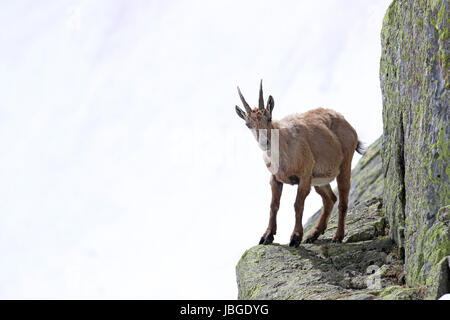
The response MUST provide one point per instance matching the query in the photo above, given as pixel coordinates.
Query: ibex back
(311, 149)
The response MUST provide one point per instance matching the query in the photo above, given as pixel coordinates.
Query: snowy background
(124, 169)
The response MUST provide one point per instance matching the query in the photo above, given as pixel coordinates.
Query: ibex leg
(277, 188)
(328, 201)
(302, 192)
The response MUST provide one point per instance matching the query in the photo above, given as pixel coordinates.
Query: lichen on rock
(281, 272)
(414, 74)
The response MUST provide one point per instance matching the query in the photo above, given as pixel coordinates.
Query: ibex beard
(308, 149)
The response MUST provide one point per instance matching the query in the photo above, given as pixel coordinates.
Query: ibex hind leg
(343, 182)
(328, 201)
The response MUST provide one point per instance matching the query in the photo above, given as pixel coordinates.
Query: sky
(125, 172)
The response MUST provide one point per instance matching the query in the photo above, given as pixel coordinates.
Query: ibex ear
(270, 104)
(240, 112)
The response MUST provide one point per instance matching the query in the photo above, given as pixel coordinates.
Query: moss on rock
(414, 74)
(279, 272)
(399, 293)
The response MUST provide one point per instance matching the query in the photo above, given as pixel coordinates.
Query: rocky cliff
(397, 243)
(414, 74)
(367, 265)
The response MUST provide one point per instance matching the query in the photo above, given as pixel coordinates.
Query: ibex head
(258, 118)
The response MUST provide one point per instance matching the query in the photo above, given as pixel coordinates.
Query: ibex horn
(261, 97)
(246, 106)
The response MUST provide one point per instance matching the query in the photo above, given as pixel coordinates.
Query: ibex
(313, 148)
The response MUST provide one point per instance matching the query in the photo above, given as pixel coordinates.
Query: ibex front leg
(303, 190)
(277, 188)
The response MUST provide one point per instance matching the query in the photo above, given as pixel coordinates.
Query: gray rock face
(313, 271)
(414, 74)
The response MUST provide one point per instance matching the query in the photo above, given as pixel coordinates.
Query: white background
(124, 169)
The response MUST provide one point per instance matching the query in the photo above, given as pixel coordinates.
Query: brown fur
(314, 148)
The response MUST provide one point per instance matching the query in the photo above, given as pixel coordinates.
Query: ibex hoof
(266, 240)
(335, 240)
(295, 241)
(311, 239)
